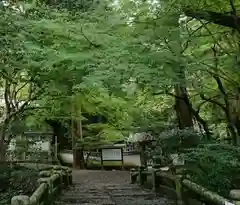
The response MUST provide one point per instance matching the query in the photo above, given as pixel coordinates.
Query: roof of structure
(141, 137)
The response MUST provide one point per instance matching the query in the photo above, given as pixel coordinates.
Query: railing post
(141, 175)
(155, 181)
(20, 200)
(179, 191)
(47, 194)
(133, 176)
(63, 172)
(70, 182)
(45, 178)
(60, 183)
(65, 177)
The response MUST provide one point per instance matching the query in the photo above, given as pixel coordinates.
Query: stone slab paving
(107, 188)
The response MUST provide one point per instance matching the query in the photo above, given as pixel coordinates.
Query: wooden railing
(186, 191)
(52, 180)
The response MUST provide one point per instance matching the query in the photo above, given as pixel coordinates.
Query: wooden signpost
(111, 153)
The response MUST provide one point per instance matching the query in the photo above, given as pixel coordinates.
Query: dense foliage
(215, 166)
(16, 180)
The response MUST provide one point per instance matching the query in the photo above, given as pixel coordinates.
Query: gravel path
(107, 188)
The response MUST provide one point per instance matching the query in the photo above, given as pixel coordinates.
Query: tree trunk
(79, 155)
(3, 147)
(79, 159)
(184, 114)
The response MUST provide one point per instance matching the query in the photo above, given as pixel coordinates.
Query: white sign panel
(112, 154)
(228, 203)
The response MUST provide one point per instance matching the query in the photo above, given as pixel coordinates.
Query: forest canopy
(106, 69)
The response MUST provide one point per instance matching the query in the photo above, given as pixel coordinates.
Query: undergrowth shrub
(214, 166)
(175, 139)
(16, 180)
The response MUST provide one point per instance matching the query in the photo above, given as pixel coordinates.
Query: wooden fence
(51, 181)
(187, 192)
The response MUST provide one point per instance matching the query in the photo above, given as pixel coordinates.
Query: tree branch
(212, 101)
(234, 13)
(186, 43)
(89, 41)
(222, 19)
(193, 111)
(6, 96)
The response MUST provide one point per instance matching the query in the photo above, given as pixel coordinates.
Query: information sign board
(114, 154)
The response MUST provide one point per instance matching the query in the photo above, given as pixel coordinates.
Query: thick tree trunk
(235, 114)
(184, 114)
(60, 131)
(237, 125)
(79, 159)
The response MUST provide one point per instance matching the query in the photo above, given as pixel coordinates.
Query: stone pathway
(107, 188)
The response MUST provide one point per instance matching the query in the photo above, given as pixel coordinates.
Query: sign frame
(111, 160)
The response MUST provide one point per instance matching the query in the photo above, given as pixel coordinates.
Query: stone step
(64, 203)
(84, 192)
(84, 196)
(86, 187)
(77, 200)
(132, 194)
(123, 188)
(141, 201)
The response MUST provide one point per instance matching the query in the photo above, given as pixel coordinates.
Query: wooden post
(133, 176)
(65, 178)
(122, 160)
(142, 146)
(79, 152)
(178, 183)
(50, 157)
(56, 147)
(141, 175)
(70, 182)
(155, 181)
(72, 134)
(102, 160)
(24, 153)
(46, 196)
